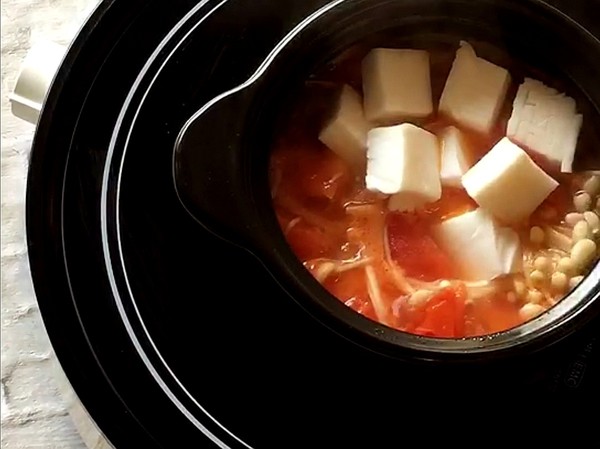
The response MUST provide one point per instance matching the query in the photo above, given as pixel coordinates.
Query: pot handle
(208, 167)
(35, 77)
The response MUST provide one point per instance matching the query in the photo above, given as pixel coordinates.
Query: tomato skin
(350, 287)
(445, 314)
(309, 242)
(313, 192)
(415, 251)
(460, 292)
(439, 318)
(326, 179)
(311, 172)
(347, 285)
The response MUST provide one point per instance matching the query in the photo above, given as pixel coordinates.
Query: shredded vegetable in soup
(437, 200)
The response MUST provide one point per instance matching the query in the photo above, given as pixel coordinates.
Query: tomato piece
(423, 331)
(460, 296)
(347, 285)
(324, 177)
(367, 231)
(445, 314)
(309, 170)
(309, 242)
(283, 218)
(415, 251)
(440, 312)
(350, 287)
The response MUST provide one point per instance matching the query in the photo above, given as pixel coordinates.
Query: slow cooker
(177, 312)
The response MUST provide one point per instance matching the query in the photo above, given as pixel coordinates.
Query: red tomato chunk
(414, 250)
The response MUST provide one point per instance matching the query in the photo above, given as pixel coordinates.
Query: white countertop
(37, 404)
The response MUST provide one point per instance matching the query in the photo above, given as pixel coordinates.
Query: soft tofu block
(396, 85)
(346, 131)
(456, 157)
(403, 161)
(508, 183)
(475, 91)
(546, 122)
(481, 248)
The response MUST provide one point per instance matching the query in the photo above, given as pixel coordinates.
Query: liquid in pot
(411, 228)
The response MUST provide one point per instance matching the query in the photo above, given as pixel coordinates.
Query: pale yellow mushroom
(583, 253)
(573, 218)
(559, 281)
(543, 264)
(581, 231)
(592, 185)
(537, 278)
(575, 281)
(582, 202)
(592, 220)
(566, 265)
(530, 311)
(534, 297)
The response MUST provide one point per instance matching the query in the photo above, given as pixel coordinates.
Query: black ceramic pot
(171, 298)
(221, 159)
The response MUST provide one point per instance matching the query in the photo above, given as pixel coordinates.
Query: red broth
(386, 265)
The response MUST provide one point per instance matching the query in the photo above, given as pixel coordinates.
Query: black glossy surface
(247, 353)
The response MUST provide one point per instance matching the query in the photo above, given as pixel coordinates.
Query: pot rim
(549, 328)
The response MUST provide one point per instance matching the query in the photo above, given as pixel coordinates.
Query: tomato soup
(453, 263)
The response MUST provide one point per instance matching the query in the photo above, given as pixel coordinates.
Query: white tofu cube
(396, 85)
(475, 91)
(508, 183)
(346, 132)
(456, 157)
(481, 248)
(545, 121)
(403, 161)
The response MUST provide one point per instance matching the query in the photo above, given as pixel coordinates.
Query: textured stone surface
(36, 401)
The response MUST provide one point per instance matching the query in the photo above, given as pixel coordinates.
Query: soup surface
(452, 263)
